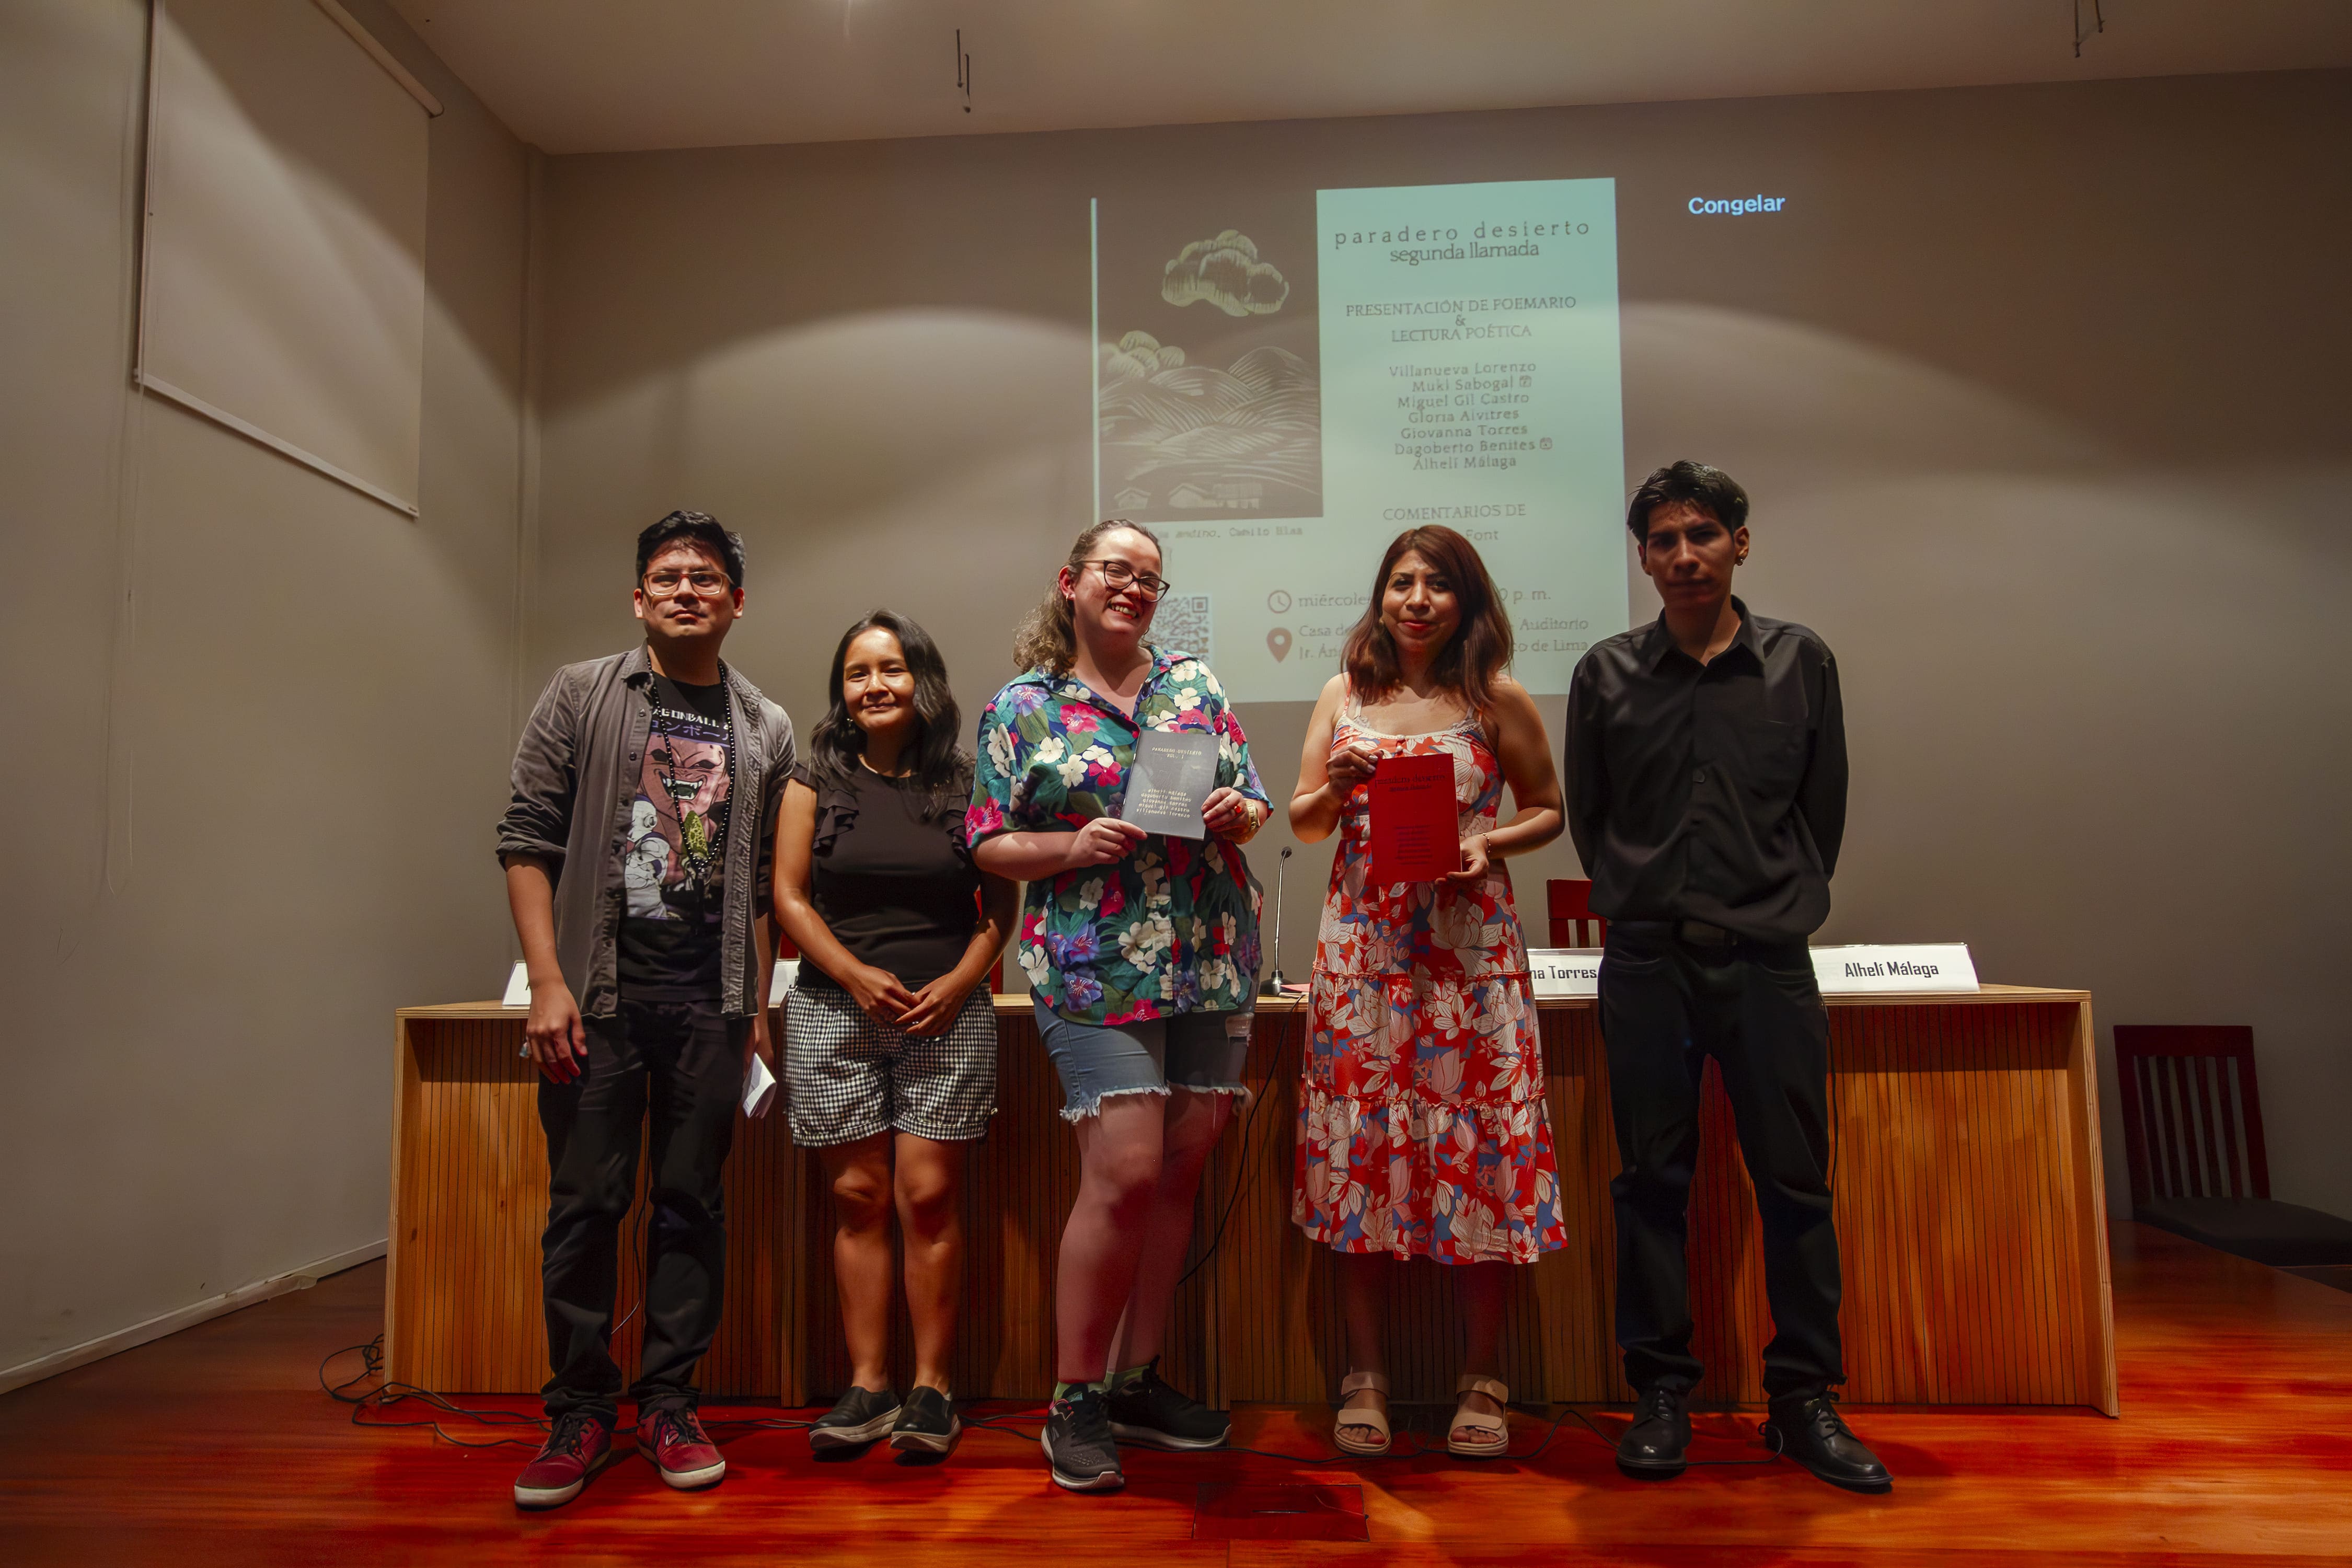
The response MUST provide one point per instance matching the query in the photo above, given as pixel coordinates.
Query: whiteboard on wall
(282, 292)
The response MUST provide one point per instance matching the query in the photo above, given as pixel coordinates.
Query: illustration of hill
(1183, 441)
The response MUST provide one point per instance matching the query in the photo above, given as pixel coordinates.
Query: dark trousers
(1665, 1007)
(683, 1061)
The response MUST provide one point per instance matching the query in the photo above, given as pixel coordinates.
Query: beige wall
(2041, 403)
(2040, 391)
(257, 731)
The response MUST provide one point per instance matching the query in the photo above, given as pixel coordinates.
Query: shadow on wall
(2079, 739)
(2078, 742)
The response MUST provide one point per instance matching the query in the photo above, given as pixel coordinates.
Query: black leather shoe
(1810, 1430)
(1652, 1448)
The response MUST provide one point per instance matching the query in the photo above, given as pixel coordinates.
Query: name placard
(518, 986)
(1881, 966)
(786, 974)
(1564, 971)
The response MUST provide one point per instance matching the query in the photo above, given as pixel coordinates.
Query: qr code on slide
(1182, 623)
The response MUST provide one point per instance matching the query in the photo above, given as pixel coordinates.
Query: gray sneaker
(1148, 1411)
(1078, 1443)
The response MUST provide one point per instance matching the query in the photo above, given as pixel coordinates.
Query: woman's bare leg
(1363, 1290)
(931, 1218)
(1119, 1178)
(1481, 1290)
(859, 1174)
(1194, 1123)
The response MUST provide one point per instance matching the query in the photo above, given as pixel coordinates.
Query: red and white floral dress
(1422, 1129)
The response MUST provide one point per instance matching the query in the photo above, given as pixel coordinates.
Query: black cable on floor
(384, 1395)
(389, 1394)
(1249, 1155)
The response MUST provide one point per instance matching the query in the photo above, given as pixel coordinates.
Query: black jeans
(1665, 1007)
(684, 1060)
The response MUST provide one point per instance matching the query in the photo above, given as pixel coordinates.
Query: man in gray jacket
(636, 850)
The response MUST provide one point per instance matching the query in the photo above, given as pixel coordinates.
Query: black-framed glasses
(662, 584)
(1118, 576)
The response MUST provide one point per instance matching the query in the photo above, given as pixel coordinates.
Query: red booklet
(1414, 822)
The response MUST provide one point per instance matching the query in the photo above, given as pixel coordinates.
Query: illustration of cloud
(1139, 355)
(1226, 272)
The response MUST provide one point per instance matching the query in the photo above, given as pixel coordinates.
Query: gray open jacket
(583, 746)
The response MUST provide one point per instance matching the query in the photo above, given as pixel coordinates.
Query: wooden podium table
(1969, 1209)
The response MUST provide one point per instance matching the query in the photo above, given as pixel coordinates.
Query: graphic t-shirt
(673, 865)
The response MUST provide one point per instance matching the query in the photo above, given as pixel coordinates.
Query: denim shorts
(1199, 1051)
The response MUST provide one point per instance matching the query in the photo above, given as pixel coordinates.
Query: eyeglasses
(1118, 576)
(662, 584)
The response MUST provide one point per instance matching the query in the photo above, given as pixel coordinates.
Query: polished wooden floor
(217, 1445)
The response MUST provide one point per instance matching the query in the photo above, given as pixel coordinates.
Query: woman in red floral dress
(1423, 1131)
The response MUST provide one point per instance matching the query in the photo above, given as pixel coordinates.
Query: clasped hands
(929, 1011)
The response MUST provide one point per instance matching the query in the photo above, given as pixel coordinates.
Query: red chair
(2193, 1145)
(1573, 923)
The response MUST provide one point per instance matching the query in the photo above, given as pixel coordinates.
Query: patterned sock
(1065, 1390)
(1127, 1379)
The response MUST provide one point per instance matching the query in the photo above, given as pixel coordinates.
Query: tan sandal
(1478, 1421)
(1355, 1382)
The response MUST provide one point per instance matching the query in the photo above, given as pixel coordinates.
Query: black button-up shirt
(1712, 791)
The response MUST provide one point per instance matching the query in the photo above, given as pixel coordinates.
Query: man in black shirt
(1705, 771)
(635, 850)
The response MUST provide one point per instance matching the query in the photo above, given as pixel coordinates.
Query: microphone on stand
(1274, 982)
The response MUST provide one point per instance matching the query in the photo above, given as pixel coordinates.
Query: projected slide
(1284, 383)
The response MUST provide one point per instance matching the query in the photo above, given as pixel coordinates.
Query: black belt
(1690, 933)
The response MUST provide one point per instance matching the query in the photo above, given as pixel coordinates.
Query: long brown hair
(1480, 647)
(1048, 639)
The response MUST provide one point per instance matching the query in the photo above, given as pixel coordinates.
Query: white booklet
(758, 1090)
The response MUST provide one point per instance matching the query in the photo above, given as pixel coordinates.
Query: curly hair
(1048, 637)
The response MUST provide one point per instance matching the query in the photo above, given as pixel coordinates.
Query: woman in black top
(890, 1034)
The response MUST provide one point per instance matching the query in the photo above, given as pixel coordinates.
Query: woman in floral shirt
(1422, 1128)
(1143, 954)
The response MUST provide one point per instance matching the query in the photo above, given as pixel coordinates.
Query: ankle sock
(1065, 1390)
(1127, 1379)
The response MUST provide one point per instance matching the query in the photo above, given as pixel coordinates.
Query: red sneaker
(675, 1441)
(578, 1448)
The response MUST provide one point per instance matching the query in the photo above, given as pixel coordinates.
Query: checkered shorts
(848, 1077)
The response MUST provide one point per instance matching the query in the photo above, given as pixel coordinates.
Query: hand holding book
(1415, 827)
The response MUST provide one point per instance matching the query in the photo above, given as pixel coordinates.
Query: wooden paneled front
(1968, 1208)
(469, 1199)
(1968, 1212)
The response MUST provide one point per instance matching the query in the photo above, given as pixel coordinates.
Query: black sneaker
(1810, 1430)
(860, 1415)
(1078, 1443)
(1147, 1411)
(927, 1423)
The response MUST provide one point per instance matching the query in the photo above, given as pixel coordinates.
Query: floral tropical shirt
(1172, 928)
